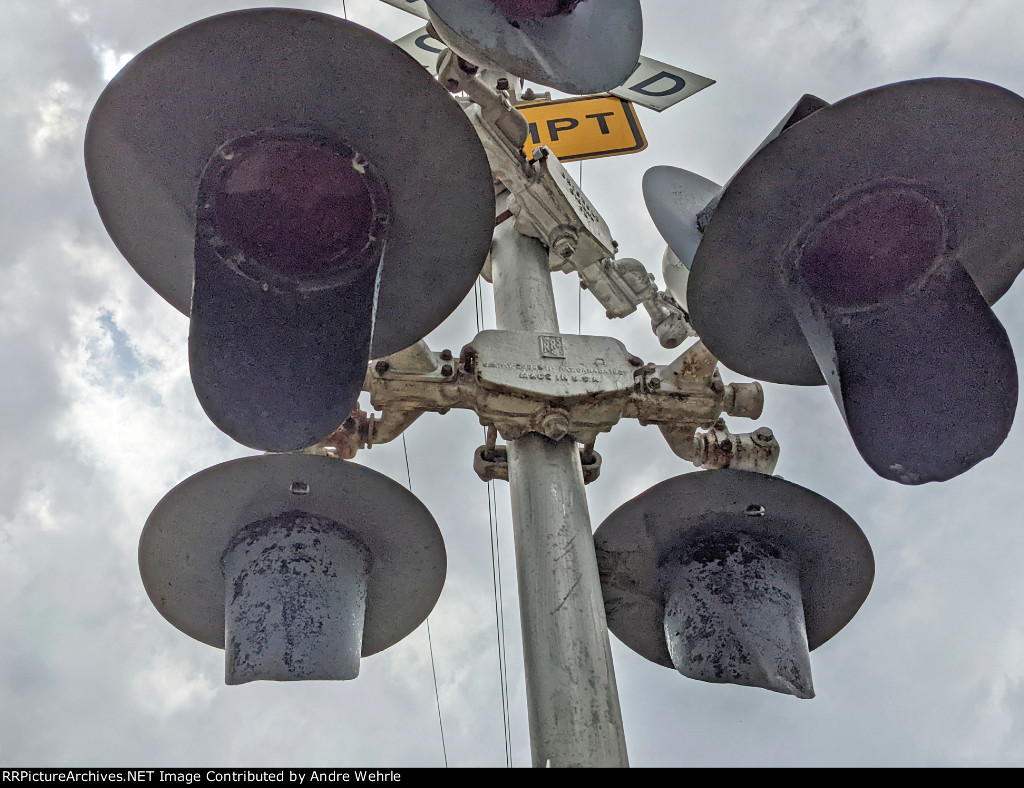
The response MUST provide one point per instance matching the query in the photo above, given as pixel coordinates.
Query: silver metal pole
(572, 699)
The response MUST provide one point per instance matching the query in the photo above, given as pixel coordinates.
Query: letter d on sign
(659, 86)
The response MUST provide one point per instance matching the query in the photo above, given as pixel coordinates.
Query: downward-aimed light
(862, 247)
(306, 192)
(290, 232)
(732, 577)
(296, 565)
(576, 46)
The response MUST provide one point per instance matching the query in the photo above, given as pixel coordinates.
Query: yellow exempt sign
(584, 128)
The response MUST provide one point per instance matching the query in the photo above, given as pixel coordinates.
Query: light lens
(875, 246)
(295, 206)
(535, 9)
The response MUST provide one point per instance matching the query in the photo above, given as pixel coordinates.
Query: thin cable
(437, 696)
(499, 607)
(478, 300)
(430, 640)
(344, 8)
(408, 472)
(492, 513)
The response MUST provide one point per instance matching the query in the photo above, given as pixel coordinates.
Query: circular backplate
(189, 530)
(593, 49)
(961, 139)
(158, 122)
(836, 563)
(674, 197)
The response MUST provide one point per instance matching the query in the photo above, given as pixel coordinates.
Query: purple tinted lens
(296, 206)
(534, 9)
(875, 247)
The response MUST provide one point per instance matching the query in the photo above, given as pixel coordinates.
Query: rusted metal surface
(717, 449)
(560, 386)
(734, 614)
(295, 601)
(643, 537)
(593, 49)
(491, 464)
(553, 384)
(200, 520)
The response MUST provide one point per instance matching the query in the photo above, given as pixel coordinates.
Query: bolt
(446, 355)
(452, 85)
(468, 358)
(555, 426)
(447, 370)
(717, 386)
(564, 248)
(636, 361)
(655, 383)
(300, 488)
(764, 436)
(349, 424)
(503, 84)
(382, 367)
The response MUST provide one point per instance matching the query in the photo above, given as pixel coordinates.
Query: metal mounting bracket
(549, 205)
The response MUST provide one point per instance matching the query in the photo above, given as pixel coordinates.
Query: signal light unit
(878, 275)
(575, 47)
(278, 348)
(297, 565)
(732, 577)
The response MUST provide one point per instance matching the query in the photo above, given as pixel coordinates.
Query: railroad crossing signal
(246, 169)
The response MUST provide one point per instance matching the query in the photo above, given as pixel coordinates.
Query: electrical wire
(437, 696)
(499, 608)
(478, 300)
(499, 611)
(430, 639)
(344, 8)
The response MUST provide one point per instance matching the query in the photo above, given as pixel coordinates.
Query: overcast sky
(100, 421)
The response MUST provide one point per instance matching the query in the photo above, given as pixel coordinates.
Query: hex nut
(764, 436)
(555, 425)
